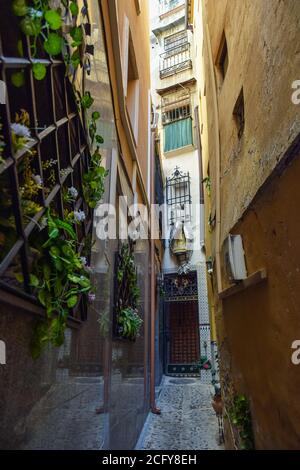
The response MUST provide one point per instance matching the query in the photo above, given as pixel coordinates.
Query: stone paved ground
(187, 420)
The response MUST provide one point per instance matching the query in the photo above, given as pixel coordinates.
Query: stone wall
(259, 200)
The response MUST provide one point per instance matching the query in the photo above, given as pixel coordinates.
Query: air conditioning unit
(235, 258)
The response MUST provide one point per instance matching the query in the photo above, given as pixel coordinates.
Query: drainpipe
(153, 407)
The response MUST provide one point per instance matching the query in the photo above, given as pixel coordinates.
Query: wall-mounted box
(234, 257)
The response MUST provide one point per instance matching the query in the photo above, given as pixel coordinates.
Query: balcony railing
(169, 5)
(176, 40)
(175, 60)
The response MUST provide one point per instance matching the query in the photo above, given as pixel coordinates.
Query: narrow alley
(187, 420)
(149, 227)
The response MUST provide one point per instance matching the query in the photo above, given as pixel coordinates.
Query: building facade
(250, 147)
(187, 340)
(95, 390)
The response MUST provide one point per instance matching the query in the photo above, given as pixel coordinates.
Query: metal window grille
(175, 60)
(180, 288)
(175, 40)
(178, 192)
(58, 133)
(175, 114)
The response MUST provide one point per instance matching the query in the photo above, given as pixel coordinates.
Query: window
(179, 197)
(175, 114)
(222, 58)
(177, 121)
(175, 40)
(178, 134)
(239, 114)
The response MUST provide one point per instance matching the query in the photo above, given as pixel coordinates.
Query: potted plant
(127, 295)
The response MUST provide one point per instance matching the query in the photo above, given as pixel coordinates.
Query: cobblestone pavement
(65, 417)
(187, 420)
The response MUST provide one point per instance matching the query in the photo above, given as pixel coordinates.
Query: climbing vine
(240, 416)
(60, 277)
(128, 321)
(60, 274)
(43, 24)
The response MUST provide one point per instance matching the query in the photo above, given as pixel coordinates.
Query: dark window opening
(239, 114)
(223, 59)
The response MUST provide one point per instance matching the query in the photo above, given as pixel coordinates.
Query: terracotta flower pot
(217, 404)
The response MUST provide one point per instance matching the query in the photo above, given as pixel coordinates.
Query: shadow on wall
(261, 323)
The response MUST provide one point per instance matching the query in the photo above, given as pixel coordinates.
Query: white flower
(20, 130)
(73, 192)
(91, 297)
(79, 216)
(43, 223)
(38, 180)
(65, 172)
(83, 260)
(35, 13)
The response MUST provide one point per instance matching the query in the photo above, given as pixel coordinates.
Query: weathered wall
(257, 326)
(92, 393)
(262, 39)
(139, 27)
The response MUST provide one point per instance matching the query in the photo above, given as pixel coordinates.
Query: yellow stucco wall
(257, 326)
(139, 27)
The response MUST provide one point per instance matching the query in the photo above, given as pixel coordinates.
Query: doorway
(182, 338)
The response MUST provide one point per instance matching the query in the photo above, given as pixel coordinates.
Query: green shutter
(178, 134)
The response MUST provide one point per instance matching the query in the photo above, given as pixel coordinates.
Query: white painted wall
(187, 158)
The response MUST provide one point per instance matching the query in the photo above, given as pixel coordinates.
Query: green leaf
(81, 280)
(39, 71)
(56, 332)
(72, 301)
(20, 48)
(99, 139)
(31, 26)
(53, 44)
(77, 36)
(53, 18)
(43, 297)
(59, 265)
(53, 233)
(87, 100)
(67, 227)
(58, 287)
(73, 278)
(75, 59)
(95, 115)
(68, 251)
(46, 271)
(19, 7)
(18, 79)
(34, 281)
(54, 251)
(19, 277)
(74, 8)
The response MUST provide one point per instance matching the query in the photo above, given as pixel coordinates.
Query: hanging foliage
(59, 269)
(127, 295)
